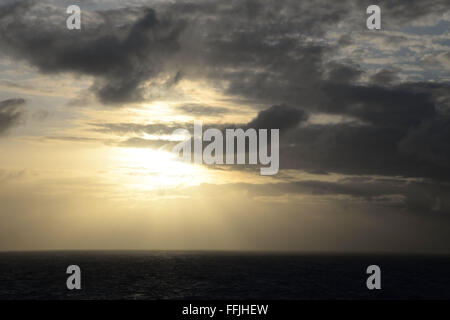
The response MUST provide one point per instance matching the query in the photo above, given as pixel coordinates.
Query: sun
(149, 169)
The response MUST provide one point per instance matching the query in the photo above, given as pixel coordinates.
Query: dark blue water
(214, 275)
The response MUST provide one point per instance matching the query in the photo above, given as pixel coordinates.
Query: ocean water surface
(220, 275)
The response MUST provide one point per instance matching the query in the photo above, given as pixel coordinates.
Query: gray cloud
(385, 77)
(412, 196)
(201, 110)
(120, 58)
(278, 117)
(265, 53)
(350, 149)
(10, 113)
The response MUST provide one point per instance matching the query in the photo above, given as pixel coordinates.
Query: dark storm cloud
(341, 72)
(278, 117)
(381, 106)
(121, 58)
(14, 8)
(384, 77)
(429, 143)
(10, 113)
(405, 12)
(351, 149)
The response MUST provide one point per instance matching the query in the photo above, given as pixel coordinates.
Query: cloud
(267, 54)
(202, 110)
(405, 195)
(10, 113)
(148, 143)
(278, 117)
(429, 143)
(444, 58)
(367, 150)
(125, 128)
(385, 77)
(395, 106)
(437, 61)
(120, 58)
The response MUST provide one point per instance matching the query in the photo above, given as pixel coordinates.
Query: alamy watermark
(373, 22)
(74, 280)
(374, 280)
(73, 22)
(237, 147)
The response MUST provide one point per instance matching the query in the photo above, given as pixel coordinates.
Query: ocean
(152, 275)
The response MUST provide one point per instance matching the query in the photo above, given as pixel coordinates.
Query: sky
(86, 122)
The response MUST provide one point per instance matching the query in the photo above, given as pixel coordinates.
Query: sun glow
(148, 169)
